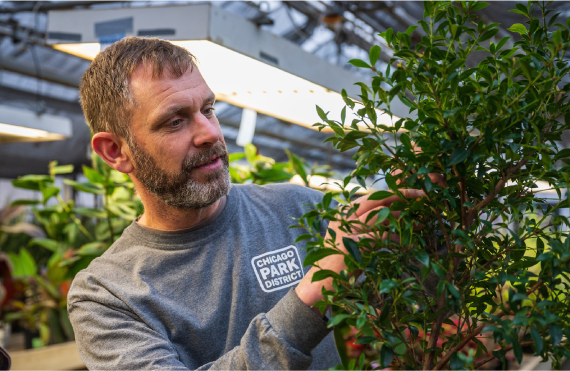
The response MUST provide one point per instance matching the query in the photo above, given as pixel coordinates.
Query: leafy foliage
(263, 170)
(493, 245)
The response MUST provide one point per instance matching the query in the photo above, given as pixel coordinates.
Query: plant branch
(500, 185)
(506, 349)
(498, 255)
(476, 332)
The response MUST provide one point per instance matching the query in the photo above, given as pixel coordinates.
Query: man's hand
(310, 292)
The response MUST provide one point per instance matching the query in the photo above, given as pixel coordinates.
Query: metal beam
(44, 6)
(47, 75)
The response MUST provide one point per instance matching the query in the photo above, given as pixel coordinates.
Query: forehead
(146, 79)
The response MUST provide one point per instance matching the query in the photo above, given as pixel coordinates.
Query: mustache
(205, 155)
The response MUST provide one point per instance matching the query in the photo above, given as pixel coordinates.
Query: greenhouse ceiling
(36, 77)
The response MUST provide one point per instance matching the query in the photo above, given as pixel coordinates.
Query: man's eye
(175, 123)
(209, 111)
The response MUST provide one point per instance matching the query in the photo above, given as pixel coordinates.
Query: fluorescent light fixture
(243, 65)
(246, 127)
(20, 125)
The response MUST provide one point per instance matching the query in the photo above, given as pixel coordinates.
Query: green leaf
(457, 156)
(422, 256)
(556, 334)
(453, 290)
(410, 30)
(518, 28)
(236, 156)
(250, 153)
(48, 243)
(386, 355)
(427, 8)
(557, 37)
(479, 5)
(382, 215)
(33, 182)
(502, 42)
(85, 187)
(455, 362)
(93, 248)
(406, 141)
(489, 34)
(121, 210)
(327, 198)
(90, 213)
(388, 285)
(274, 175)
(63, 169)
(298, 166)
(317, 255)
(518, 12)
(352, 248)
(23, 264)
(538, 342)
(380, 195)
(25, 202)
(324, 273)
(49, 192)
(374, 54)
(338, 319)
(517, 349)
(92, 175)
(359, 63)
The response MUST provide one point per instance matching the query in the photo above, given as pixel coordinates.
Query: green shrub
(492, 238)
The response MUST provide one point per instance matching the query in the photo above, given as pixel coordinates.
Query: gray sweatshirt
(220, 297)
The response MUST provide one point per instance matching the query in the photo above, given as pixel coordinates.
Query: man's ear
(113, 150)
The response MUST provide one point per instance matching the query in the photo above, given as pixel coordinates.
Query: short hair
(105, 94)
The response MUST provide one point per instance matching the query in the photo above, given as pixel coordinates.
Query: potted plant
(489, 118)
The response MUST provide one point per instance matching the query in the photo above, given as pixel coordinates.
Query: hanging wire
(40, 103)
(298, 31)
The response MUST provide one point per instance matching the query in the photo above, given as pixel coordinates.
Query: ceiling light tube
(20, 125)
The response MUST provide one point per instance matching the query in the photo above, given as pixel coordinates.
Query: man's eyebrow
(165, 115)
(211, 98)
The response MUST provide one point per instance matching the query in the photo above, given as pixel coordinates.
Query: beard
(180, 189)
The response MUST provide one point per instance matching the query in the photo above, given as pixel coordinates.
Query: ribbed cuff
(297, 324)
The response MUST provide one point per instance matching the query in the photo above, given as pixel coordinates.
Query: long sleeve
(110, 337)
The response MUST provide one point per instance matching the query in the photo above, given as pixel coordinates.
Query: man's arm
(111, 337)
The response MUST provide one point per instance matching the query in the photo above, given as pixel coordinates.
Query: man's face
(178, 150)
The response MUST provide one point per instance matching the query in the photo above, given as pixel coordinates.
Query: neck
(158, 215)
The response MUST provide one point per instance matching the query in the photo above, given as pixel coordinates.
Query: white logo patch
(278, 269)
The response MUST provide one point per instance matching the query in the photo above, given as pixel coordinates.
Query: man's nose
(205, 131)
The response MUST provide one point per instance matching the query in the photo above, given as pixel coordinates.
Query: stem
(75, 220)
(410, 351)
(506, 349)
(498, 255)
(434, 334)
(476, 332)
(500, 185)
(111, 232)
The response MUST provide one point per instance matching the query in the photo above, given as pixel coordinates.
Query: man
(208, 276)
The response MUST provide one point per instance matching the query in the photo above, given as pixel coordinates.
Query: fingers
(438, 179)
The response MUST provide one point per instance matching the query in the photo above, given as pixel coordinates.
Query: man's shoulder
(279, 193)
(92, 283)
